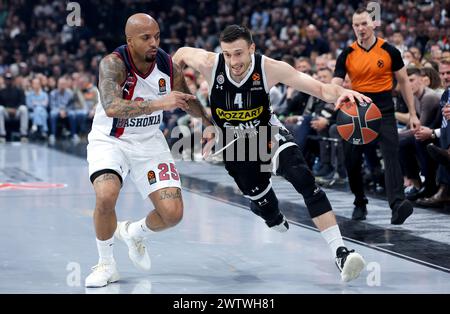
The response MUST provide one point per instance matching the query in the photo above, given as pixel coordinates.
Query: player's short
(253, 177)
(149, 170)
(249, 178)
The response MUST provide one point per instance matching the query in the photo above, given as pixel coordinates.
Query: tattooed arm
(112, 74)
(195, 108)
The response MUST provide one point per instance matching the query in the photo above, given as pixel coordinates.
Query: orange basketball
(358, 123)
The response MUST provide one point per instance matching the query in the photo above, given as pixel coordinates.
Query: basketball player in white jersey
(137, 83)
(241, 74)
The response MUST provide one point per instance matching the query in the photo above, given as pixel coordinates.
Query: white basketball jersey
(154, 84)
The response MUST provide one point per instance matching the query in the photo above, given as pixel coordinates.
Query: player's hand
(176, 100)
(351, 95)
(291, 119)
(446, 112)
(319, 124)
(209, 140)
(414, 123)
(423, 134)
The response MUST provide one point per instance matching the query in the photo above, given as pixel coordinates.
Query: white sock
(139, 229)
(333, 237)
(105, 250)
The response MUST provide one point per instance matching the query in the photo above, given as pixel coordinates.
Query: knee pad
(266, 207)
(294, 169)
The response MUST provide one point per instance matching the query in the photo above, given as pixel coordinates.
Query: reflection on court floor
(48, 245)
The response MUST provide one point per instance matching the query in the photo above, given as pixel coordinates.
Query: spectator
(303, 65)
(85, 100)
(413, 153)
(431, 79)
(398, 42)
(61, 101)
(37, 103)
(442, 153)
(314, 42)
(13, 107)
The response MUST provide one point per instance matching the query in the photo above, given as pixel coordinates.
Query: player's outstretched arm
(194, 107)
(281, 72)
(198, 59)
(112, 74)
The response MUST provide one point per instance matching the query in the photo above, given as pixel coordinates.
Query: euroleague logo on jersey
(151, 177)
(162, 85)
(256, 77)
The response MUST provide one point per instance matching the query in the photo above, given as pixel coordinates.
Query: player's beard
(150, 59)
(150, 56)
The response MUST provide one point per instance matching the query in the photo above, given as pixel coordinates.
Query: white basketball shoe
(101, 275)
(136, 247)
(349, 263)
(282, 226)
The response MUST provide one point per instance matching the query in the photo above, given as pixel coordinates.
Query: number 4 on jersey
(238, 100)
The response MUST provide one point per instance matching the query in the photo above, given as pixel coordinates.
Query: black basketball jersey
(244, 106)
(242, 110)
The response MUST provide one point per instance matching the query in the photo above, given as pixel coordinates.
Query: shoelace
(340, 260)
(140, 246)
(345, 252)
(100, 267)
(349, 251)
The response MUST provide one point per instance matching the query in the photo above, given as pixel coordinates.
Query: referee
(371, 63)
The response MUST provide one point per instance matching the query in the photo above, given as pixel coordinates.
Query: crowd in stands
(48, 69)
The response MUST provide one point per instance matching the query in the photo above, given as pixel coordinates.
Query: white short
(150, 171)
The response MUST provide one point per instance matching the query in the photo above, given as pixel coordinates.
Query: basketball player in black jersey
(239, 81)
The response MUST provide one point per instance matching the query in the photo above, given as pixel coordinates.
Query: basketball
(358, 123)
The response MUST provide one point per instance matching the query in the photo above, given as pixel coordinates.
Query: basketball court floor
(47, 241)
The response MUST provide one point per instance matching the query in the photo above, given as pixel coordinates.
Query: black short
(253, 177)
(248, 176)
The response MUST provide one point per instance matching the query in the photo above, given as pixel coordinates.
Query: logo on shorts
(162, 85)
(151, 177)
(263, 202)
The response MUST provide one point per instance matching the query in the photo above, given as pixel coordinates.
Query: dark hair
(307, 60)
(433, 63)
(445, 61)
(361, 10)
(411, 70)
(289, 60)
(433, 75)
(234, 32)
